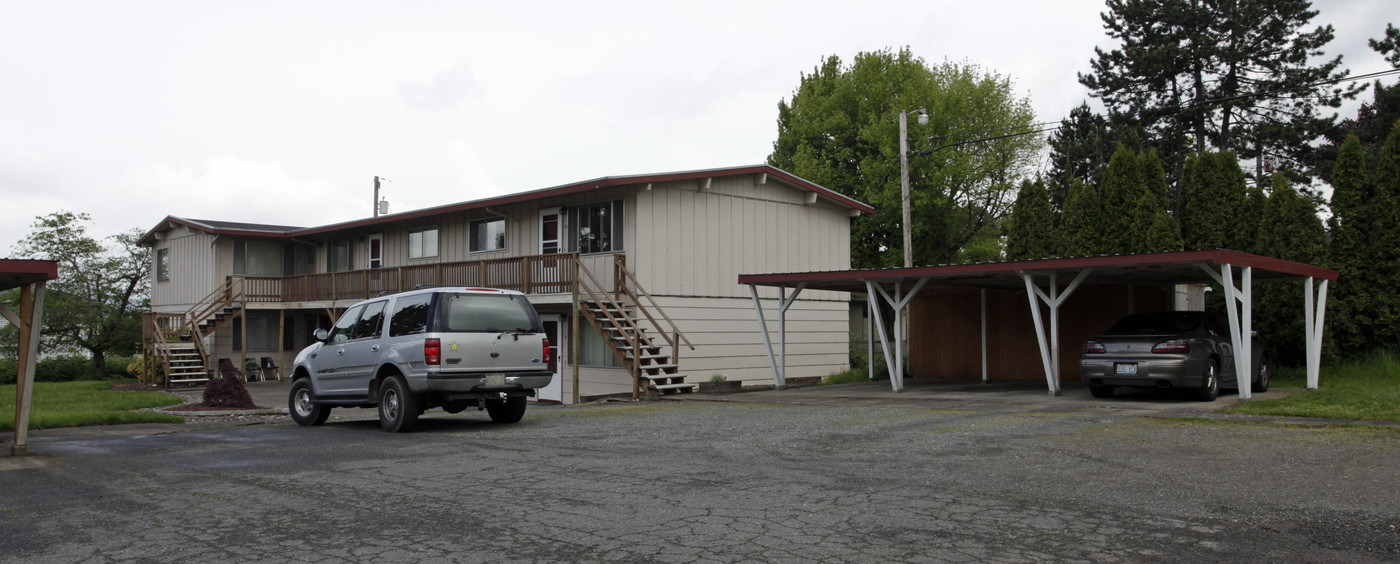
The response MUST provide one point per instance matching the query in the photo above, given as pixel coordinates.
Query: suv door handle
(339, 352)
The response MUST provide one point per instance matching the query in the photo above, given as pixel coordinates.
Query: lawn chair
(265, 365)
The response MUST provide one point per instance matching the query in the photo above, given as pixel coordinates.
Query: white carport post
(870, 288)
(899, 302)
(1312, 329)
(780, 366)
(1241, 321)
(869, 337)
(1050, 351)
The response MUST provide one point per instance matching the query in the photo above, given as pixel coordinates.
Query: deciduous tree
(840, 129)
(101, 290)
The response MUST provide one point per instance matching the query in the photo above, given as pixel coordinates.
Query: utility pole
(905, 221)
(376, 196)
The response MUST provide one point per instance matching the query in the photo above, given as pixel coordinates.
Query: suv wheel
(398, 407)
(508, 411)
(300, 405)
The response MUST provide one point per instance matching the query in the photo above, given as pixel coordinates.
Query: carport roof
(1182, 267)
(15, 273)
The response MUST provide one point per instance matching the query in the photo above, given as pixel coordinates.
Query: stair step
(673, 388)
(627, 328)
(654, 377)
(648, 348)
(658, 356)
(660, 366)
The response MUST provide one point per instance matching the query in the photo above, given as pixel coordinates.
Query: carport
(1041, 281)
(31, 277)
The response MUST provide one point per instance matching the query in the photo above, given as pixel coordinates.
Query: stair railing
(224, 296)
(622, 276)
(608, 304)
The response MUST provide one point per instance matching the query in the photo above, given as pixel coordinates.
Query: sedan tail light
(1094, 347)
(546, 350)
(1176, 346)
(432, 351)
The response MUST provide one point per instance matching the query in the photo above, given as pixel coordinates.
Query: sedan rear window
(1160, 322)
(486, 313)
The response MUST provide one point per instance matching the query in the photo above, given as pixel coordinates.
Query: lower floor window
(593, 349)
(262, 332)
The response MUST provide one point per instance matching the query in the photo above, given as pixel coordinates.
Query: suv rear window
(485, 313)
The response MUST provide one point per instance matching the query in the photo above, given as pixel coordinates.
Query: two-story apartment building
(634, 276)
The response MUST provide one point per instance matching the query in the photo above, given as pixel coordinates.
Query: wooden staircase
(622, 320)
(176, 341)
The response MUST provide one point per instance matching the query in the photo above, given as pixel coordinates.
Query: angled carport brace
(1234, 271)
(31, 277)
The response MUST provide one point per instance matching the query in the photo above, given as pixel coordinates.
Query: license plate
(1125, 369)
(495, 379)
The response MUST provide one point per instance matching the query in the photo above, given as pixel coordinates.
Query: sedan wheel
(1210, 384)
(1263, 384)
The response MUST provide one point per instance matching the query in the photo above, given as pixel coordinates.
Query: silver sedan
(1167, 350)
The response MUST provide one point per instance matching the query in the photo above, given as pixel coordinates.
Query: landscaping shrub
(67, 368)
(9, 370)
(227, 390)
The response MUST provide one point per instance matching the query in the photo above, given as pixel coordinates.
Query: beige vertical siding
(727, 339)
(191, 278)
(696, 243)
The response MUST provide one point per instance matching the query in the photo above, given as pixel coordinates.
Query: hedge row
(65, 369)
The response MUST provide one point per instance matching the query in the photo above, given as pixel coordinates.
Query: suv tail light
(1176, 346)
(546, 350)
(432, 351)
(1094, 347)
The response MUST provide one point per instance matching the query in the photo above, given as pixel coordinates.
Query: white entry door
(554, 392)
(551, 231)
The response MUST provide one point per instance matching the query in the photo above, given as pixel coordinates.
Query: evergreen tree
(1081, 225)
(1250, 221)
(1373, 119)
(1290, 230)
(1030, 231)
(1118, 197)
(1080, 150)
(1212, 195)
(1195, 71)
(1384, 237)
(1348, 319)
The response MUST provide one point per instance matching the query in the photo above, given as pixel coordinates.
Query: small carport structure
(31, 277)
(1041, 282)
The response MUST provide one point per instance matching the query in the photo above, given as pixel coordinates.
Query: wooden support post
(30, 317)
(573, 331)
(281, 341)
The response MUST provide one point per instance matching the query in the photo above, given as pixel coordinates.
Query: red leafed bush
(227, 390)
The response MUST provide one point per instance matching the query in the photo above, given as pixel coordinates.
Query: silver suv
(404, 353)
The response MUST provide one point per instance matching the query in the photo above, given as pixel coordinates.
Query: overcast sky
(283, 112)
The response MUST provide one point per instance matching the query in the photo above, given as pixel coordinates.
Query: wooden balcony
(536, 274)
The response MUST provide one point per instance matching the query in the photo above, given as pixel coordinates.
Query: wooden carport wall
(31, 277)
(1176, 267)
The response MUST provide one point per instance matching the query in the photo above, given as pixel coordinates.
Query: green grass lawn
(76, 404)
(1368, 388)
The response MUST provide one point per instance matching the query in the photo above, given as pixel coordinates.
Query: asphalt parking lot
(825, 479)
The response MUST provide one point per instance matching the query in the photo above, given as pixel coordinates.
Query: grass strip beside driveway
(76, 404)
(1368, 389)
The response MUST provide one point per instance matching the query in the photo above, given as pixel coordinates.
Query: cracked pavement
(715, 482)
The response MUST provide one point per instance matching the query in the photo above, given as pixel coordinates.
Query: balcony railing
(536, 274)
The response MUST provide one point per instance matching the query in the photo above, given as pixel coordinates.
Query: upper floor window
(162, 264)
(423, 242)
(258, 258)
(338, 256)
(596, 228)
(488, 235)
